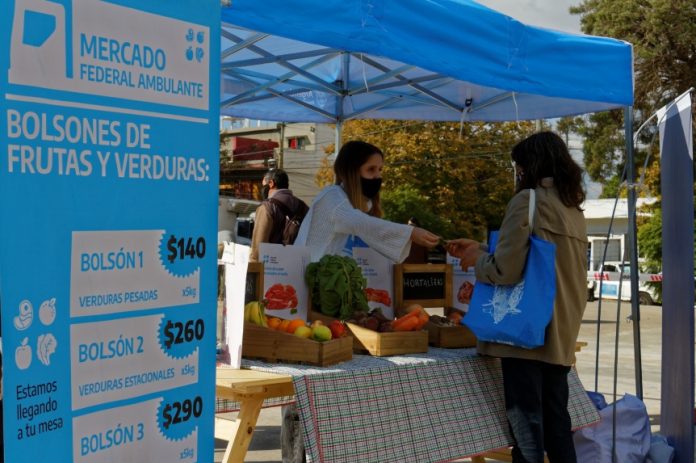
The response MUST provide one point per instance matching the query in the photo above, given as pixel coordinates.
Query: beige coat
(563, 226)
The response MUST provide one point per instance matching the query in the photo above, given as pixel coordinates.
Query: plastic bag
(594, 443)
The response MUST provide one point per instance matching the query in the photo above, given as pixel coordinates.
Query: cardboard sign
(462, 284)
(429, 285)
(378, 272)
(284, 288)
(109, 114)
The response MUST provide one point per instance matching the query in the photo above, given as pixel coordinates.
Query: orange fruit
(274, 322)
(294, 324)
(283, 325)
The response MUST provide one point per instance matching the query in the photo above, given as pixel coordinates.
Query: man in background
(279, 206)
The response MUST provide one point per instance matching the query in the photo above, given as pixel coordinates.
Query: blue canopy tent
(447, 60)
(331, 61)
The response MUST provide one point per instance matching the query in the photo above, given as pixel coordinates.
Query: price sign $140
(185, 247)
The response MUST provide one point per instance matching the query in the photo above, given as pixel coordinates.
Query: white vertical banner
(236, 260)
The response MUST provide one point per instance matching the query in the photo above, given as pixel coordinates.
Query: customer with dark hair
(536, 380)
(352, 207)
(279, 205)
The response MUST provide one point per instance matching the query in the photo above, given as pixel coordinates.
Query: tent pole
(344, 84)
(339, 137)
(633, 247)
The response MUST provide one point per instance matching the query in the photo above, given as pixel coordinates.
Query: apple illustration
(25, 317)
(189, 53)
(47, 311)
(23, 355)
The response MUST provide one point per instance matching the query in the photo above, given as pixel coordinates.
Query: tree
(433, 172)
(325, 174)
(663, 35)
(403, 202)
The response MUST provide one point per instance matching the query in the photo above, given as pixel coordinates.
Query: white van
(610, 289)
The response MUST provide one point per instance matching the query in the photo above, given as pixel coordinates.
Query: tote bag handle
(532, 207)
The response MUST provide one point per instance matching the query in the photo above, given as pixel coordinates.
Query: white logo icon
(45, 347)
(25, 317)
(47, 311)
(23, 355)
(505, 301)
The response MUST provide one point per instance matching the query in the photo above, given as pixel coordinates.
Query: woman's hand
(468, 251)
(424, 238)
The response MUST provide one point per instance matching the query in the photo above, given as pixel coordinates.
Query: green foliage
(404, 201)
(650, 238)
(612, 188)
(337, 286)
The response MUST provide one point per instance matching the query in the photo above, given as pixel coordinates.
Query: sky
(551, 14)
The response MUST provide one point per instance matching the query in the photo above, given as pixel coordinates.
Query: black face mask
(370, 186)
(265, 189)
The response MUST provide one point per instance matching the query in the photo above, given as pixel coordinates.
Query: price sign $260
(183, 332)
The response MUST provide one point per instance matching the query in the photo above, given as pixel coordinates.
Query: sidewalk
(651, 352)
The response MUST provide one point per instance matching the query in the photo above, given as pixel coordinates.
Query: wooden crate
(451, 337)
(276, 346)
(392, 343)
(381, 344)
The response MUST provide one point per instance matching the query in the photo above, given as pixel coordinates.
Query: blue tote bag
(517, 314)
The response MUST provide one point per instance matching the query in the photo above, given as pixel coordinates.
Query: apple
(23, 355)
(321, 333)
(338, 329)
(303, 331)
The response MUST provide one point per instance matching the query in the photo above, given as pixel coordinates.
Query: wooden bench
(250, 388)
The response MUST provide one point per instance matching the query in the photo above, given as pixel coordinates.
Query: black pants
(536, 403)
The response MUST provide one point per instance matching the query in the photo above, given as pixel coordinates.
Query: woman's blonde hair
(351, 157)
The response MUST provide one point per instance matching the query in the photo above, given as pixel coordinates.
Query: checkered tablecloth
(433, 407)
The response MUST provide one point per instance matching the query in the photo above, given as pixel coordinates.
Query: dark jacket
(269, 222)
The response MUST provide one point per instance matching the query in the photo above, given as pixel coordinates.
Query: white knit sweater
(331, 220)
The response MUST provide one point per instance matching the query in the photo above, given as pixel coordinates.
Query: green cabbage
(337, 286)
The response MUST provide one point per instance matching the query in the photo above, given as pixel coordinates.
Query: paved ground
(265, 445)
